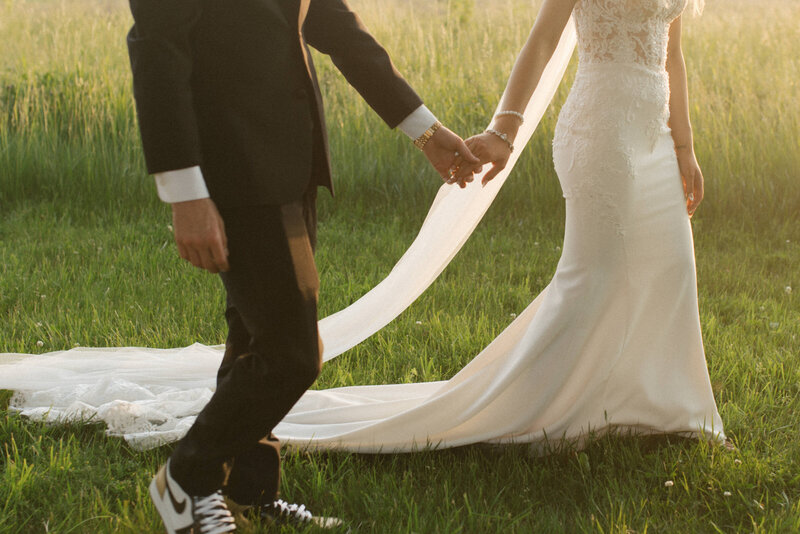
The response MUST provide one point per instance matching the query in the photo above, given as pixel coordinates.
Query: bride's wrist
(502, 136)
(508, 125)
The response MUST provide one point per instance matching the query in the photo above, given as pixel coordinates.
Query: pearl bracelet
(502, 136)
(516, 114)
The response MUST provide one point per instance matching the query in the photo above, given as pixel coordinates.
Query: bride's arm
(524, 78)
(679, 120)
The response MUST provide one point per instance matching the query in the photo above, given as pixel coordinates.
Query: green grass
(87, 258)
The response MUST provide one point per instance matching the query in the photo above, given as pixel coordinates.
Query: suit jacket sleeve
(161, 61)
(333, 29)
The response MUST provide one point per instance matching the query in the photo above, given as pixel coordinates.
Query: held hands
(691, 176)
(451, 158)
(200, 234)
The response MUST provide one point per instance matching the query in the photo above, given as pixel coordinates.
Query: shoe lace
(293, 511)
(212, 516)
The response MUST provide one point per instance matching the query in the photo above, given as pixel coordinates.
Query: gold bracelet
(423, 139)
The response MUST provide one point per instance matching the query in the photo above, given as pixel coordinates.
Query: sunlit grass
(86, 258)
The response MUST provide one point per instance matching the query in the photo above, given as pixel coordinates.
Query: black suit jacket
(229, 85)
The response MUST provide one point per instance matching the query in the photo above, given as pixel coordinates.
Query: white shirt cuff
(417, 122)
(181, 185)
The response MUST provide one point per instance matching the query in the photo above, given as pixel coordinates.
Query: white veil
(150, 396)
(450, 221)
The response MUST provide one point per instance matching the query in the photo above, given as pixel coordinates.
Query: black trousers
(273, 353)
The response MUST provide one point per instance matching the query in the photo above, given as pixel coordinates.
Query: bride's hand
(691, 175)
(489, 148)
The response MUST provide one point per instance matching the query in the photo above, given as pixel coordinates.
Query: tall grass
(67, 124)
(86, 258)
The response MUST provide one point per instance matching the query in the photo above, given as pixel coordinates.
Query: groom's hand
(200, 234)
(451, 158)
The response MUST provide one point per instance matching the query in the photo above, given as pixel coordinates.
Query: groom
(232, 126)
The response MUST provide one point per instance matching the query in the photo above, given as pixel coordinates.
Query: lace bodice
(618, 108)
(625, 31)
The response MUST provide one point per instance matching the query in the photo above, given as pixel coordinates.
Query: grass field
(86, 258)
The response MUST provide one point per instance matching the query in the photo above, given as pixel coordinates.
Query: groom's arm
(161, 62)
(333, 29)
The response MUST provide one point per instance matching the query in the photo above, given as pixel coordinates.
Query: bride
(613, 342)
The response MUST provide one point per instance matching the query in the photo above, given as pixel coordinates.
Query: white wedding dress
(613, 342)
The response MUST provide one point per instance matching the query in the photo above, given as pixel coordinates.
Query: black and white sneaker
(186, 514)
(282, 513)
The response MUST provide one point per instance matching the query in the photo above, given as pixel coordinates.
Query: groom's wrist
(181, 185)
(418, 122)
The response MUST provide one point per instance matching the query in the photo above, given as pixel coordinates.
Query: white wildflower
(40, 343)
(787, 290)
(669, 484)
(39, 325)
(737, 461)
(774, 325)
(513, 315)
(419, 322)
(726, 493)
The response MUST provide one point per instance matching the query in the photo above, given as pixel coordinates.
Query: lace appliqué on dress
(619, 102)
(625, 31)
(598, 190)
